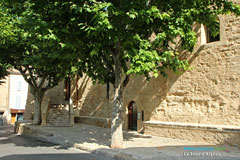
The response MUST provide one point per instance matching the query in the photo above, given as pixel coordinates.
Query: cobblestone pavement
(136, 146)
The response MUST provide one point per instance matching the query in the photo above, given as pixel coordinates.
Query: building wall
(208, 93)
(4, 90)
(18, 90)
(90, 99)
(4, 94)
(55, 94)
(14, 86)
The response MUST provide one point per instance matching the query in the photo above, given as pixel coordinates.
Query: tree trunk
(117, 110)
(117, 114)
(37, 107)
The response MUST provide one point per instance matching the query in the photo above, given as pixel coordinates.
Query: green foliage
(103, 38)
(95, 30)
(149, 35)
(29, 45)
(3, 71)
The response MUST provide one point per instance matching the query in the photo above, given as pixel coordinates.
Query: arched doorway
(132, 116)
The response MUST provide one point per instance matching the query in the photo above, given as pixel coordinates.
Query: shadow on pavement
(7, 136)
(80, 156)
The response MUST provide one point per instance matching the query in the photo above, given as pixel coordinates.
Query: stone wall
(4, 94)
(208, 93)
(56, 96)
(90, 99)
(212, 134)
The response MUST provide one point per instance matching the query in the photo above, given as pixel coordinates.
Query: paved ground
(136, 146)
(19, 147)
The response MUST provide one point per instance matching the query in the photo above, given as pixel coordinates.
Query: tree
(114, 39)
(5, 29)
(30, 47)
(3, 72)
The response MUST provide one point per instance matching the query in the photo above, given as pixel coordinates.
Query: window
(18, 102)
(19, 116)
(213, 36)
(209, 35)
(19, 86)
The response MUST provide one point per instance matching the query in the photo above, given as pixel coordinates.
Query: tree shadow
(141, 153)
(80, 134)
(136, 144)
(148, 95)
(89, 99)
(54, 156)
(7, 136)
(77, 94)
(154, 96)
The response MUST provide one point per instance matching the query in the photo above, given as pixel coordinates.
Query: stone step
(58, 115)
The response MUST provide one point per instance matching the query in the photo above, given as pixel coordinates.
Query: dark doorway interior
(19, 116)
(1, 118)
(132, 116)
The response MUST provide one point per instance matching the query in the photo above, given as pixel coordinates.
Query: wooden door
(130, 116)
(13, 118)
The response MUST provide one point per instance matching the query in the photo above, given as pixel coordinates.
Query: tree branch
(126, 80)
(48, 87)
(42, 82)
(31, 77)
(108, 88)
(108, 68)
(105, 62)
(23, 72)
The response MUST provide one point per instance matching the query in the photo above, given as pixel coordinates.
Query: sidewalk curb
(28, 129)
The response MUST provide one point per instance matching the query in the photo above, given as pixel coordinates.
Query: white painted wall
(18, 92)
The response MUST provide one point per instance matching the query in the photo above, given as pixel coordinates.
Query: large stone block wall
(209, 93)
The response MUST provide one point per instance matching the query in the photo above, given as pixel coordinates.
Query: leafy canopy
(28, 45)
(149, 34)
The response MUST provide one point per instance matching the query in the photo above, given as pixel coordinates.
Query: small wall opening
(208, 35)
(132, 116)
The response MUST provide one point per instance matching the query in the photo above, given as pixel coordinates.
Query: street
(20, 147)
